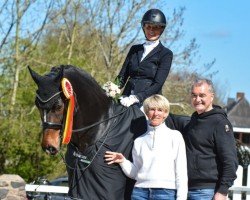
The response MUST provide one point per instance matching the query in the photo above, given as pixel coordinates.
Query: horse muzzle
(51, 141)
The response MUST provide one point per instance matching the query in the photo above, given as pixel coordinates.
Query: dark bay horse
(96, 123)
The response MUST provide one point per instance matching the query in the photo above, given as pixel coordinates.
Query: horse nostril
(50, 150)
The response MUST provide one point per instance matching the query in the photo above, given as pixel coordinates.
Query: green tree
(20, 150)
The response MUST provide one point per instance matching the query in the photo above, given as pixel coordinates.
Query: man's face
(202, 98)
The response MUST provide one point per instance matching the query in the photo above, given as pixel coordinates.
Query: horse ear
(59, 75)
(36, 77)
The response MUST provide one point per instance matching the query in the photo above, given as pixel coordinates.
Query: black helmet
(154, 16)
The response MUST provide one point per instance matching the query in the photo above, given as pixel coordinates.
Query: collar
(150, 128)
(151, 43)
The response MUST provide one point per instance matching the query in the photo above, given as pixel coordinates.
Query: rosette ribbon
(68, 124)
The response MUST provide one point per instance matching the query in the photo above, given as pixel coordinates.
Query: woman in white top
(159, 157)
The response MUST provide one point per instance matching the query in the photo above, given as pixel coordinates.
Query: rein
(97, 123)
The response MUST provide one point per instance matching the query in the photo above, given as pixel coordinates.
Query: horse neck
(91, 102)
(90, 112)
(91, 106)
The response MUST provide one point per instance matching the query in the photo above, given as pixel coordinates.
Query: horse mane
(82, 81)
(92, 103)
(79, 77)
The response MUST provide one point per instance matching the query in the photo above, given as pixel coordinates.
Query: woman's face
(152, 32)
(156, 116)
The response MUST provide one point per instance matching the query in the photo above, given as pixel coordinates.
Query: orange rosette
(68, 124)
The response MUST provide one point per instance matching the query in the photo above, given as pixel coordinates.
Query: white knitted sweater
(159, 161)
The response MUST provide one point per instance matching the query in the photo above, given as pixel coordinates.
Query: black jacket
(211, 151)
(147, 77)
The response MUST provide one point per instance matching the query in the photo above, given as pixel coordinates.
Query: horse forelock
(48, 86)
(48, 104)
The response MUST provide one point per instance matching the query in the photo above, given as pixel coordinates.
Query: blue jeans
(201, 194)
(153, 194)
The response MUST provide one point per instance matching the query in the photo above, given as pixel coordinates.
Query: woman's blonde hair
(156, 101)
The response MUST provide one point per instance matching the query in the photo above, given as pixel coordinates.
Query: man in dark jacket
(210, 145)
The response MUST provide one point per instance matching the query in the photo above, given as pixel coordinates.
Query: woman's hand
(113, 157)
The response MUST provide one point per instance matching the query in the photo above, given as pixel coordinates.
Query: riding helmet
(154, 16)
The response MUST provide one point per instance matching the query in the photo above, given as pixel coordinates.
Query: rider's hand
(128, 101)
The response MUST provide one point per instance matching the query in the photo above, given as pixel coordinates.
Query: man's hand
(219, 196)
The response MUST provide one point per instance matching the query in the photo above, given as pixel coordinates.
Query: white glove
(128, 101)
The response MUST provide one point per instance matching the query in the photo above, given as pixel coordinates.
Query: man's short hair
(201, 81)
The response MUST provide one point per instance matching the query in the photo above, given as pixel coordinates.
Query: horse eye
(57, 107)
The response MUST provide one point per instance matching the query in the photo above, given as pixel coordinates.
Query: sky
(222, 29)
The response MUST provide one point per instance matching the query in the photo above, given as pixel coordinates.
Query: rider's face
(152, 32)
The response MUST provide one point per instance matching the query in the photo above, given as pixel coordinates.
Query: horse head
(65, 107)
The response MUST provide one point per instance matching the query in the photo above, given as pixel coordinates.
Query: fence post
(238, 182)
(248, 183)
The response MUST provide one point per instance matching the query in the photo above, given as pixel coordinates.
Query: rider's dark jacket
(211, 151)
(145, 77)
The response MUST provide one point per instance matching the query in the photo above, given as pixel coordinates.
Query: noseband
(50, 125)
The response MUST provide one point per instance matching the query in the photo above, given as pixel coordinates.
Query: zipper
(153, 144)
